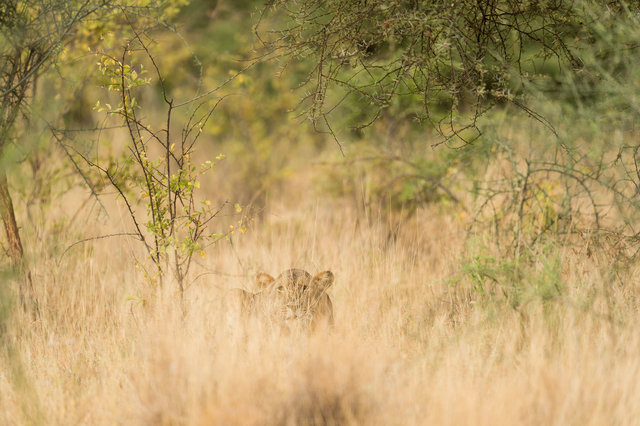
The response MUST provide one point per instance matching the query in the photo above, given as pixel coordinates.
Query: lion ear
(323, 280)
(264, 280)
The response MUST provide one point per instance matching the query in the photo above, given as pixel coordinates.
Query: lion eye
(280, 289)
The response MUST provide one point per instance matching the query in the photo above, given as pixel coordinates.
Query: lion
(294, 297)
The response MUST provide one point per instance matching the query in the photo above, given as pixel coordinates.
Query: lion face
(297, 297)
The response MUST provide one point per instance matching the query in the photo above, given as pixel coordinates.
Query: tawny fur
(294, 296)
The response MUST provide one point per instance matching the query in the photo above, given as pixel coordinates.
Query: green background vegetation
(518, 116)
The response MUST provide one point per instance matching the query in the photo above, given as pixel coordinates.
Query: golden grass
(409, 346)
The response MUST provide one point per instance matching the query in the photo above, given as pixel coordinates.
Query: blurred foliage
(254, 126)
(535, 277)
(564, 164)
(391, 169)
(445, 63)
(46, 71)
(583, 171)
(33, 37)
(549, 89)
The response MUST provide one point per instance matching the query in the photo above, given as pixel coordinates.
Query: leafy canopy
(445, 62)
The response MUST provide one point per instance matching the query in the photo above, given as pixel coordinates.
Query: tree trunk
(14, 250)
(9, 221)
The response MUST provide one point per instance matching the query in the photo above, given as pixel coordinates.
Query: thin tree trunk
(9, 221)
(15, 251)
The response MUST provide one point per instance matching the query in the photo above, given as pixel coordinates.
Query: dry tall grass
(410, 346)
